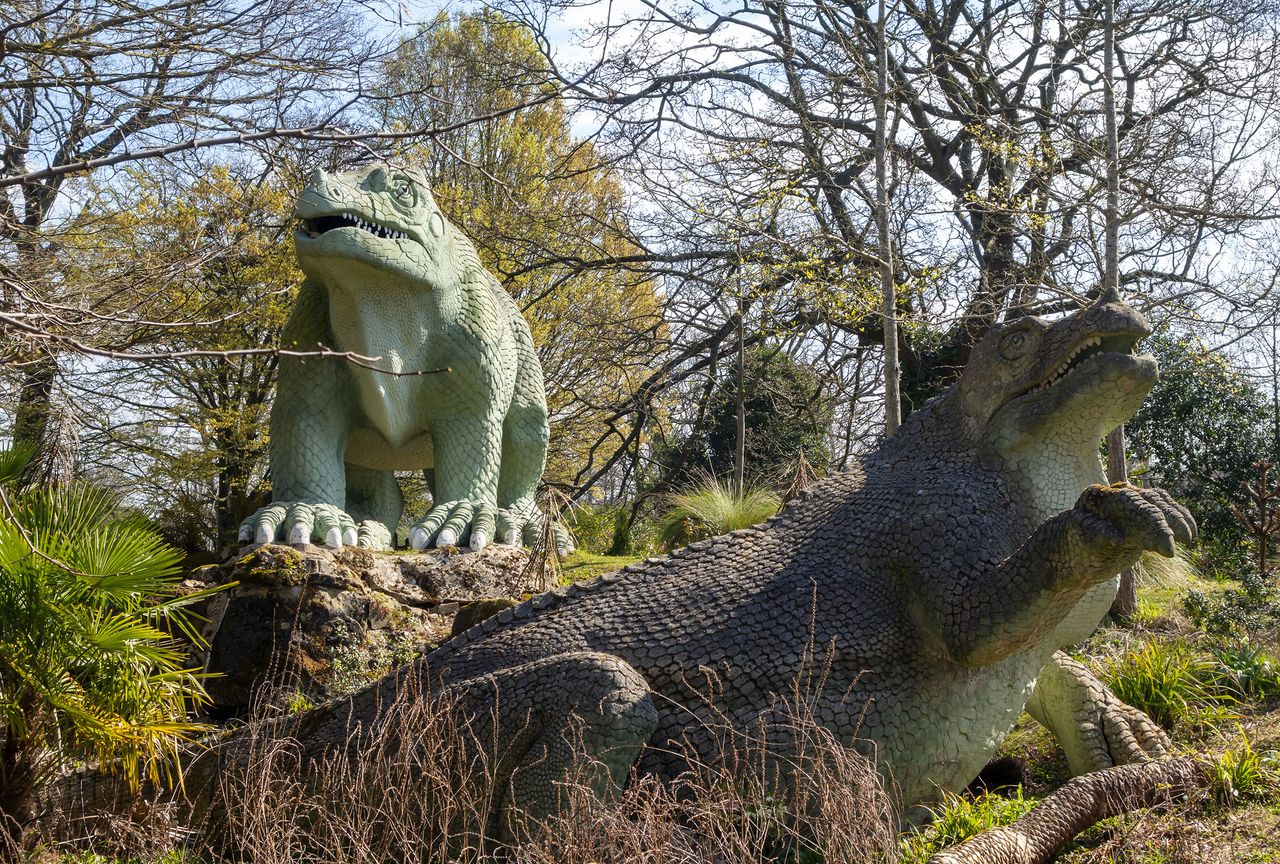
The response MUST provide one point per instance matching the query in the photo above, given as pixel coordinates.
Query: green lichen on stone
(275, 565)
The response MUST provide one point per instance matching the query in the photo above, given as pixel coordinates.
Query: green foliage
(1247, 670)
(1171, 682)
(1251, 609)
(958, 818)
(171, 856)
(546, 212)
(788, 412)
(712, 508)
(192, 442)
(1241, 774)
(90, 668)
(1200, 431)
(594, 526)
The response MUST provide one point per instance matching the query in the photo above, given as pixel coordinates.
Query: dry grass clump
(425, 781)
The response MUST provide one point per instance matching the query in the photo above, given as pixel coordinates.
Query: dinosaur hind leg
(375, 503)
(582, 717)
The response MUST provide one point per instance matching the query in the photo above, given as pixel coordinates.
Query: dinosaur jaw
(1077, 404)
(320, 252)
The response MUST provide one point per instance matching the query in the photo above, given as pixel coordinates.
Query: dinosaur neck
(383, 319)
(1052, 475)
(936, 427)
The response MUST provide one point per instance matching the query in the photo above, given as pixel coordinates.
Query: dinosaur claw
(265, 534)
(512, 537)
(350, 536)
(446, 537)
(333, 539)
(479, 540)
(418, 539)
(246, 533)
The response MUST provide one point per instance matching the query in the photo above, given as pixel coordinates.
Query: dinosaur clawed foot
(477, 524)
(298, 522)
(1121, 515)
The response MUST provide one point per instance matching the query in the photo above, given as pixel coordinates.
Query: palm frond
(14, 460)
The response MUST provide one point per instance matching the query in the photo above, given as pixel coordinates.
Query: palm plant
(714, 507)
(92, 662)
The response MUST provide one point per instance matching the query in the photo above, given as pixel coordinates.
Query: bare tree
(1000, 142)
(88, 84)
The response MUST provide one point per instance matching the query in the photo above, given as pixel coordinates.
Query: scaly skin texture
(930, 586)
(389, 277)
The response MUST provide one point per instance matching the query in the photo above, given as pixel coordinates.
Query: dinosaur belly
(369, 448)
(957, 719)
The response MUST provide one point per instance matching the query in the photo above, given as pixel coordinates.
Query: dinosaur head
(1076, 378)
(380, 216)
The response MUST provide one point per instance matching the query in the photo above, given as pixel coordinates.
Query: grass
(713, 507)
(1241, 773)
(581, 566)
(1172, 682)
(423, 782)
(958, 818)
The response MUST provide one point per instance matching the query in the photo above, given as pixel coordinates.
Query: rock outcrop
(306, 623)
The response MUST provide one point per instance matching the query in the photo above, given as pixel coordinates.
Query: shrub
(1247, 670)
(712, 508)
(594, 525)
(89, 666)
(1251, 609)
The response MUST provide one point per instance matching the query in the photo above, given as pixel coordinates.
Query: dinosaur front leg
(312, 416)
(1096, 730)
(467, 454)
(1012, 609)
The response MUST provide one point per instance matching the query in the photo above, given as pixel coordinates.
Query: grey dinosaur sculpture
(388, 276)
(943, 574)
(936, 583)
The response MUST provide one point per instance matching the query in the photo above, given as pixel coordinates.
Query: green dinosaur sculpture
(456, 390)
(935, 584)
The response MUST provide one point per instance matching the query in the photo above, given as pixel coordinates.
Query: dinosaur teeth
(1067, 364)
(319, 225)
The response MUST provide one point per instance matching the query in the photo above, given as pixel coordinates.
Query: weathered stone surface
(306, 623)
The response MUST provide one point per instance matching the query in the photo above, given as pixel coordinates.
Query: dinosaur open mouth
(324, 224)
(1109, 343)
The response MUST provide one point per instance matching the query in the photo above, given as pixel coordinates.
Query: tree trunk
(1125, 606)
(740, 397)
(888, 300)
(31, 418)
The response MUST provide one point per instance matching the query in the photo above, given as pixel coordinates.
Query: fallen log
(1081, 802)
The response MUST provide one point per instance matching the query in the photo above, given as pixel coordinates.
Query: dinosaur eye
(1014, 345)
(402, 189)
